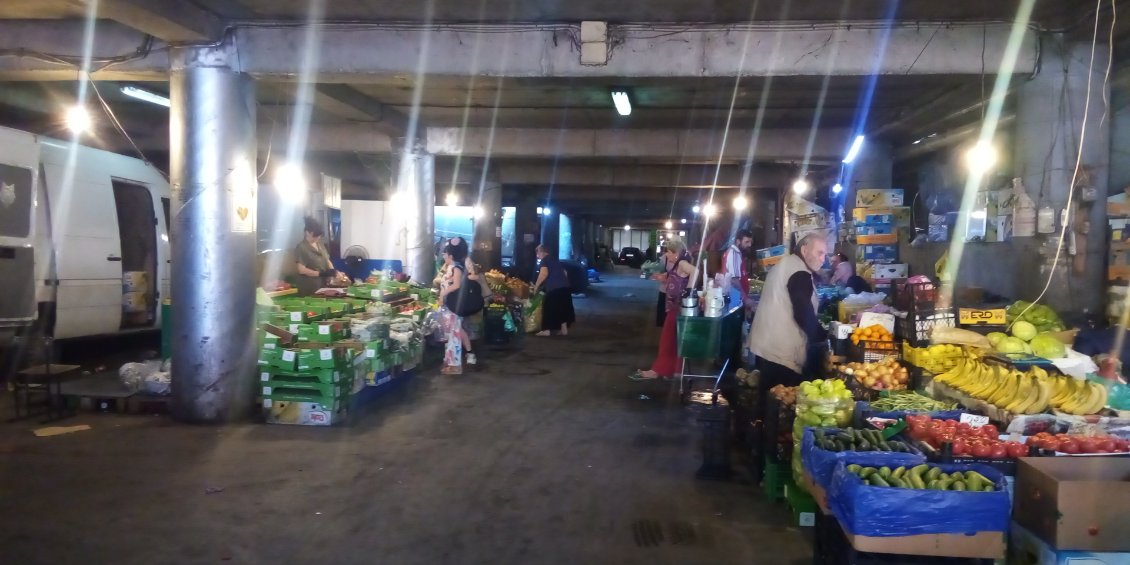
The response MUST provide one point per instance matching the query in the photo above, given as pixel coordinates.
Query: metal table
(708, 338)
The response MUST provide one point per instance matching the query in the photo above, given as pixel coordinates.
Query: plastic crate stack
(876, 217)
(308, 381)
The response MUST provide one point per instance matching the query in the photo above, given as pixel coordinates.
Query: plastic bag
(158, 384)
(821, 463)
(134, 375)
(867, 510)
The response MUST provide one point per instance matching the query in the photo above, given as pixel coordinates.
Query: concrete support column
(416, 182)
(527, 230)
(1050, 118)
(212, 166)
(872, 168)
(487, 248)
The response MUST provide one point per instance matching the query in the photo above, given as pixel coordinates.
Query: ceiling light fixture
(291, 184)
(540, 210)
(134, 92)
(740, 203)
(800, 186)
(77, 119)
(477, 212)
(837, 188)
(682, 233)
(709, 209)
(622, 102)
(546, 210)
(452, 199)
(669, 224)
(853, 152)
(683, 221)
(696, 209)
(627, 227)
(981, 157)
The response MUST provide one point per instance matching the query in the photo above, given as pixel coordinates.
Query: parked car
(631, 256)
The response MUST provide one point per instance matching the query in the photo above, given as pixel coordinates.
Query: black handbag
(466, 301)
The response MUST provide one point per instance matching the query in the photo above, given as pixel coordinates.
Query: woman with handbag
(453, 296)
(557, 310)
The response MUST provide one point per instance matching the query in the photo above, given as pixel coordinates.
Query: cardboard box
(888, 272)
(278, 359)
(810, 222)
(769, 262)
(290, 383)
(1075, 503)
(877, 253)
(1025, 547)
(775, 251)
(982, 545)
(878, 197)
(876, 235)
(303, 413)
(320, 358)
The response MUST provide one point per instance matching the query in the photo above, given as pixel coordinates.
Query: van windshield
(15, 201)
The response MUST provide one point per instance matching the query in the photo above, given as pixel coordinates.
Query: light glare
(981, 158)
(854, 151)
(800, 186)
(77, 119)
(290, 183)
(740, 203)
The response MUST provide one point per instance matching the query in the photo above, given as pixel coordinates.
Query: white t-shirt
(732, 263)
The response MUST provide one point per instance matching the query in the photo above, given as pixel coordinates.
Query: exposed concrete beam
(169, 21)
(349, 103)
(693, 51)
(347, 53)
(24, 42)
(687, 145)
(655, 176)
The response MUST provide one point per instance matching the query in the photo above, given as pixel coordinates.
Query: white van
(84, 245)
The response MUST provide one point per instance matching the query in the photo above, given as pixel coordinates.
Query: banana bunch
(1030, 392)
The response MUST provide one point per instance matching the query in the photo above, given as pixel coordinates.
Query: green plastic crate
(701, 337)
(802, 505)
(777, 475)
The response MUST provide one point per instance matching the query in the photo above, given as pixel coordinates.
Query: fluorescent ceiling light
(145, 95)
(854, 151)
(623, 104)
(540, 210)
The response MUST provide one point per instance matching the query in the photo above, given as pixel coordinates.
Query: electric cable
(114, 119)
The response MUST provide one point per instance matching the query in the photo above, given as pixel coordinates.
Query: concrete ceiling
(901, 110)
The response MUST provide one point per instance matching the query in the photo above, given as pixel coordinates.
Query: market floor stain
(546, 454)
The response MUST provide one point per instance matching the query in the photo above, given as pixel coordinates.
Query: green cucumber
(898, 472)
(866, 472)
(933, 473)
(958, 485)
(884, 472)
(877, 481)
(853, 468)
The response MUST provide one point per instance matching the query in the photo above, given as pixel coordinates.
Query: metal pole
(421, 229)
(212, 158)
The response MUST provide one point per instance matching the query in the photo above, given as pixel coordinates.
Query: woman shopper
(680, 271)
(454, 271)
(557, 310)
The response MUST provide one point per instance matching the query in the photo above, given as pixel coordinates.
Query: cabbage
(1011, 345)
(996, 337)
(1048, 347)
(1024, 330)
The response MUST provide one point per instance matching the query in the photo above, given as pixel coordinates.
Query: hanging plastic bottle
(1023, 211)
(1045, 219)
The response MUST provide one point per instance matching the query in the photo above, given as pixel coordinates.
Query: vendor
(786, 328)
(312, 259)
(735, 267)
(843, 275)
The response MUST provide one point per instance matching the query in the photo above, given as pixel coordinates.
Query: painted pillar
(416, 182)
(212, 166)
(1049, 126)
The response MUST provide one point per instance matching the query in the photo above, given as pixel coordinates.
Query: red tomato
(1016, 449)
(960, 447)
(1086, 444)
(989, 430)
(964, 426)
(981, 450)
(1069, 446)
(1051, 444)
(1120, 446)
(1104, 444)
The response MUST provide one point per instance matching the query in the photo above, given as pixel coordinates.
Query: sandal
(543, 333)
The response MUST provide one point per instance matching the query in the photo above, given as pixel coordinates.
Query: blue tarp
(821, 463)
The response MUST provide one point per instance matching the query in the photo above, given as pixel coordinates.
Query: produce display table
(708, 338)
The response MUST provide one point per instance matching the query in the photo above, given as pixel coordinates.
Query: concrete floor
(548, 454)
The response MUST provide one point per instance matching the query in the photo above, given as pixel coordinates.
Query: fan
(355, 257)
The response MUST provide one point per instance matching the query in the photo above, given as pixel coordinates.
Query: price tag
(370, 353)
(268, 346)
(974, 316)
(296, 316)
(266, 390)
(264, 377)
(337, 376)
(326, 354)
(288, 355)
(267, 403)
(294, 328)
(323, 330)
(974, 421)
